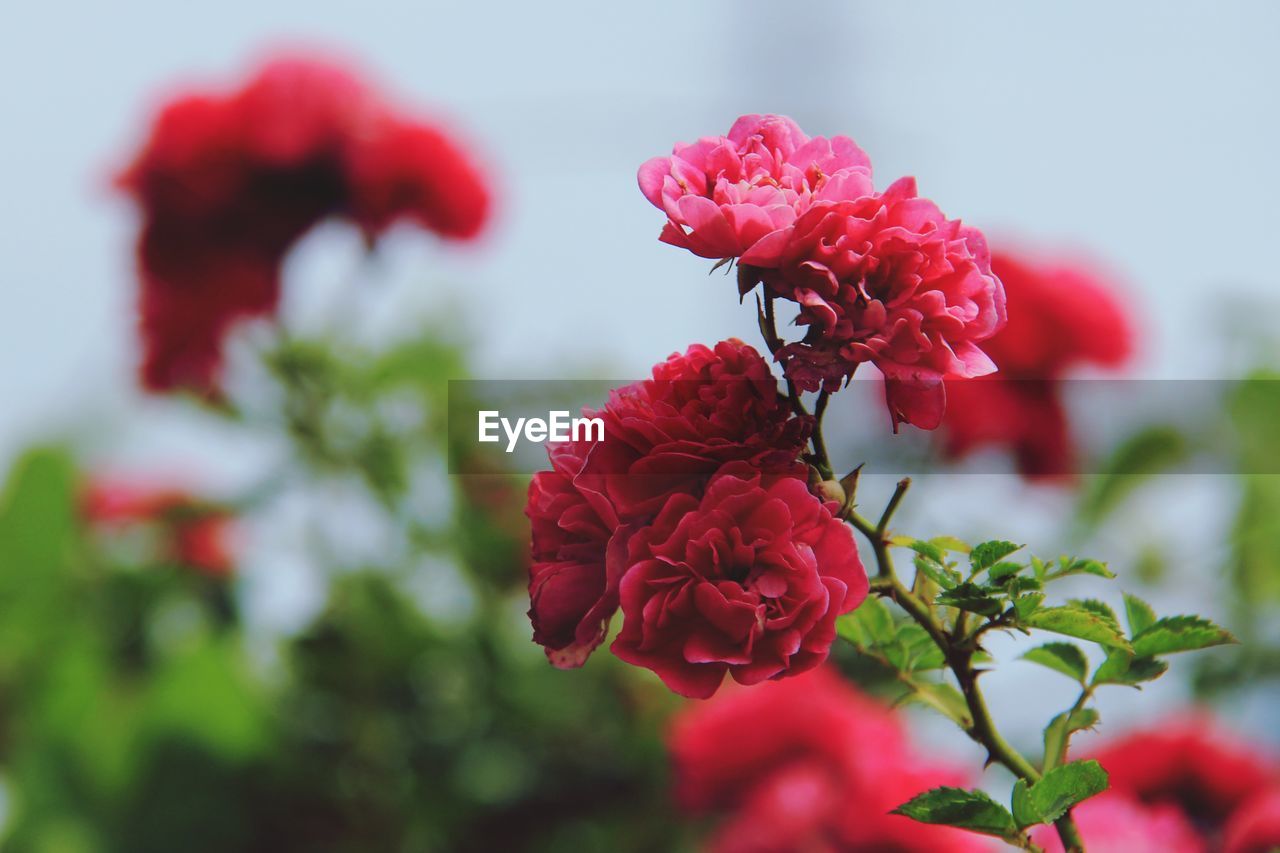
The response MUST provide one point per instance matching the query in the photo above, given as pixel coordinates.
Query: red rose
(1059, 317)
(1114, 823)
(888, 279)
(808, 763)
(228, 182)
(191, 532)
(668, 434)
(1191, 763)
(747, 579)
(1255, 826)
(571, 595)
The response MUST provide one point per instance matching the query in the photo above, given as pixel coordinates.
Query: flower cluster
(227, 182)
(806, 764)
(694, 517)
(1060, 317)
(187, 531)
(1184, 786)
(880, 277)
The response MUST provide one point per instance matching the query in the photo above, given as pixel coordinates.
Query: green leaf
(1065, 658)
(1066, 786)
(924, 549)
(1138, 613)
(1121, 667)
(1024, 810)
(936, 572)
(1075, 566)
(971, 810)
(1179, 634)
(1099, 609)
(1078, 622)
(986, 554)
(943, 698)
(1002, 571)
(1025, 605)
(1139, 457)
(869, 626)
(951, 543)
(913, 650)
(971, 597)
(1058, 733)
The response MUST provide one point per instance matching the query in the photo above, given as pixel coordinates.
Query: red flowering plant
(712, 517)
(228, 181)
(185, 530)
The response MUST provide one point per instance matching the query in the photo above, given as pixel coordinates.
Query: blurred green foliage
(136, 714)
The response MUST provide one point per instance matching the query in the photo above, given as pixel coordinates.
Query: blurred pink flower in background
(1255, 826)
(808, 763)
(1115, 823)
(1191, 762)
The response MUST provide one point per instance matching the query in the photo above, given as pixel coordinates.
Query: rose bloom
(664, 436)
(747, 579)
(700, 409)
(191, 532)
(1115, 823)
(1192, 763)
(229, 181)
(572, 596)
(808, 763)
(888, 279)
(727, 195)
(1255, 826)
(1060, 317)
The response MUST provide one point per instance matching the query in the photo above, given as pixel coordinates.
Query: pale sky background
(1142, 134)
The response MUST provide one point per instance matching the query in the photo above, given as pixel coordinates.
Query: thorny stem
(958, 654)
(957, 649)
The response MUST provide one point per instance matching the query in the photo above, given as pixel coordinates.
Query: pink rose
(888, 279)
(725, 196)
(808, 763)
(747, 579)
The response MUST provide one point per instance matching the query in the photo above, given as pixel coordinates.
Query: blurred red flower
(1189, 762)
(190, 531)
(747, 579)
(810, 764)
(1115, 823)
(1255, 826)
(227, 182)
(1060, 317)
